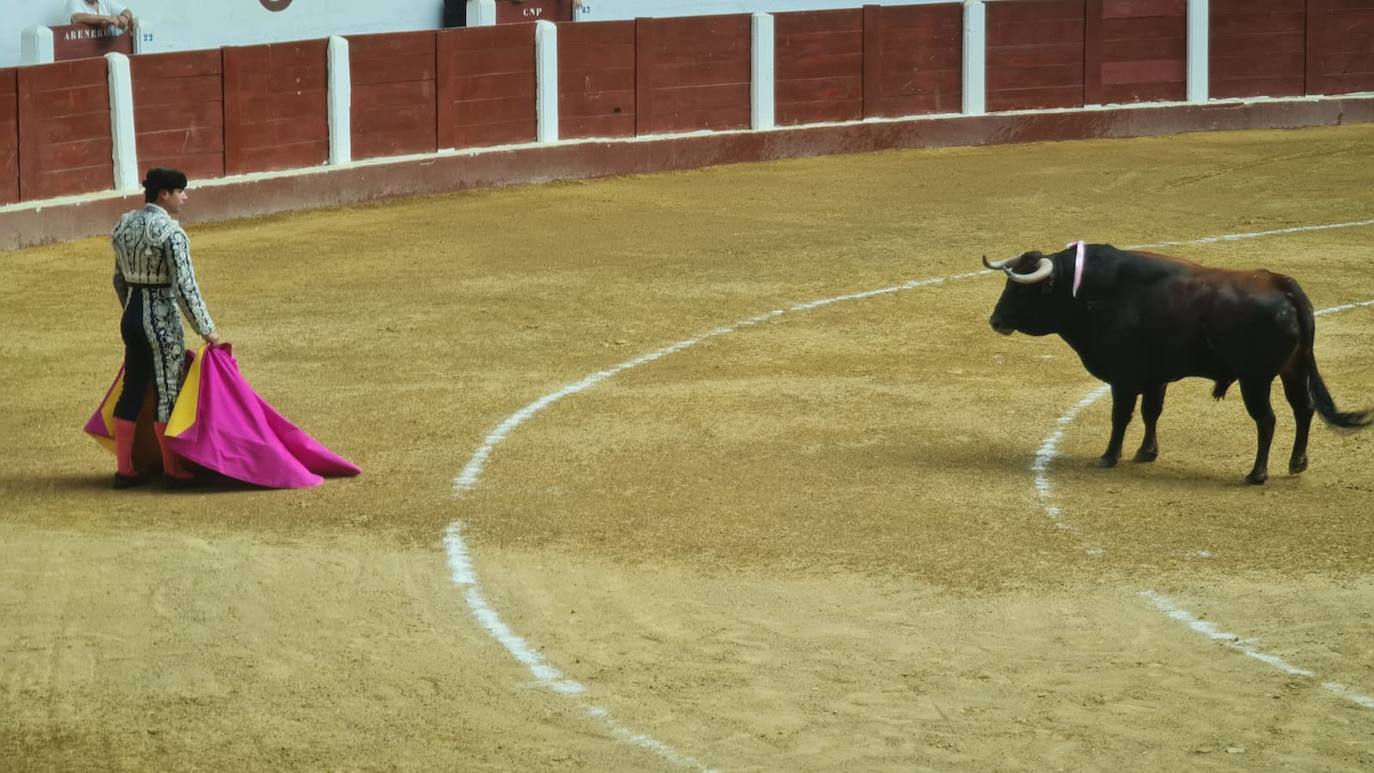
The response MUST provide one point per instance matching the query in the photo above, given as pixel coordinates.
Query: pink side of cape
(238, 434)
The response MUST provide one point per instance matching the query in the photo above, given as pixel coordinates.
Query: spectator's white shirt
(100, 8)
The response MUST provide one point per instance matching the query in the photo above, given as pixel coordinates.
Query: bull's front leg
(1123, 407)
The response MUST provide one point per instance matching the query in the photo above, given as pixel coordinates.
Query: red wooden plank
(1256, 23)
(1033, 11)
(1154, 27)
(180, 64)
(1243, 45)
(284, 131)
(65, 182)
(598, 126)
(1347, 63)
(390, 44)
(1141, 50)
(401, 143)
(794, 113)
(9, 136)
(78, 100)
(1228, 7)
(873, 59)
(1316, 16)
(804, 22)
(503, 110)
(1143, 92)
(595, 33)
(712, 118)
(1092, 52)
(819, 90)
(821, 66)
(1129, 9)
(597, 103)
(819, 44)
(1258, 62)
(1153, 72)
(489, 38)
(181, 141)
(1034, 33)
(922, 59)
(517, 84)
(173, 91)
(1348, 83)
(406, 68)
(646, 59)
(1035, 98)
(276, 157)
(62, 76)
(396, 95)
(921, 82)
(726, 96)
(476, 64)
(197, 166)
(706, 31)
(588, 81)
(487, 134)
(596, 58)
(700, 74)
(1052, 76)
(1037, 56)
(1234, 88)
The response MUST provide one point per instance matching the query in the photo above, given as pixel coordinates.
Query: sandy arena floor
(815, 541)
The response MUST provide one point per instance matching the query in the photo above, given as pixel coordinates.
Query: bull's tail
(1321, 398)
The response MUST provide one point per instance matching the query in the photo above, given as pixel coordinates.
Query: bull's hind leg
(1151, 406)
(1300, 398)
(1256, 394)
(1123, 406)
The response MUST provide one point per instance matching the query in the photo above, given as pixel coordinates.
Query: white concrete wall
(607, 10)
(179, 25)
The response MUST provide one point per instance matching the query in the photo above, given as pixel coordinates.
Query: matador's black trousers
(154, 351)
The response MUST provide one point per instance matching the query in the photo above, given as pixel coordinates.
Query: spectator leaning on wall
(110, 15)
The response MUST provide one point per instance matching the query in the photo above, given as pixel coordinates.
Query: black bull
(1139, 321)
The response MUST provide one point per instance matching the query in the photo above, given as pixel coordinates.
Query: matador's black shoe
(127, 481)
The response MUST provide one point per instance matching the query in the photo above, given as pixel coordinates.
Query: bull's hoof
(1296, 466)
(1257, 478)
(1106, 461)
(1146, 456)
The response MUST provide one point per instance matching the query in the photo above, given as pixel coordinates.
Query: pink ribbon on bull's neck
(1077, 265)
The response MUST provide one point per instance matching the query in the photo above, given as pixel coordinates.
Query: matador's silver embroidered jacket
(153, 258)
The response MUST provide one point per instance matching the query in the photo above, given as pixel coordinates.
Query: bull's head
(1028, 303)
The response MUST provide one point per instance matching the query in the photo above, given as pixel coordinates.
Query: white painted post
(1199, 32)
(481, 13)
(762, 90)
(975, 57)
(122, 136)
(546, 81)
(340, 103)
(35, 46)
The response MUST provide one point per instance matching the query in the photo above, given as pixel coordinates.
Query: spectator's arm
(91, 19)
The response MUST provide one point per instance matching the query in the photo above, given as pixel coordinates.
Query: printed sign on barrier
(77, 41)
(516, 11)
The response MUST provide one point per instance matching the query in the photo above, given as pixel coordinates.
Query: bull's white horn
(1041, 273)
(999, 265)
